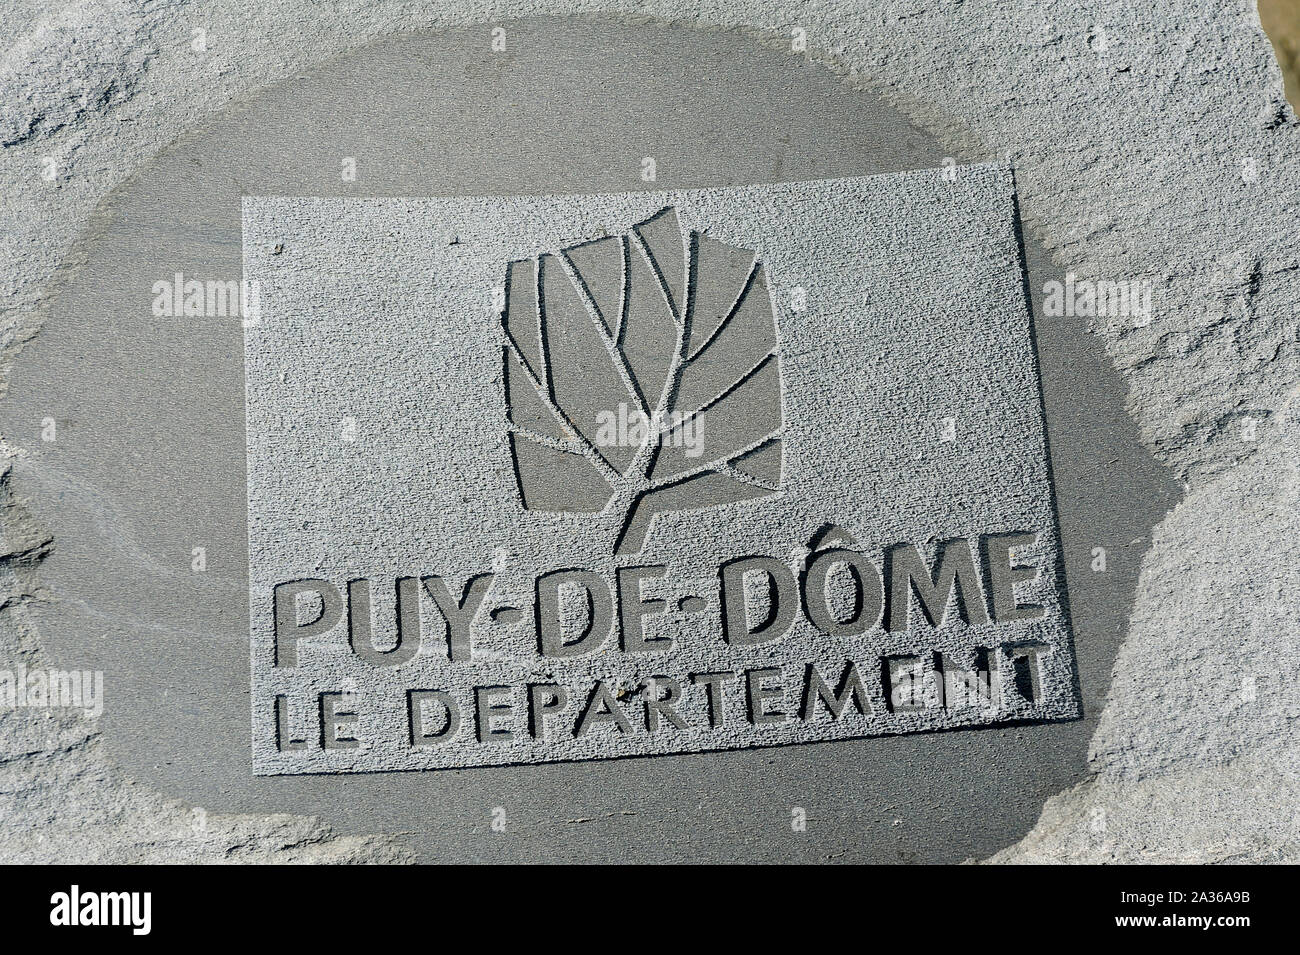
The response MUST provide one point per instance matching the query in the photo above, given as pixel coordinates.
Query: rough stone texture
(1152, 140)
(62, 800)
(1196, 753)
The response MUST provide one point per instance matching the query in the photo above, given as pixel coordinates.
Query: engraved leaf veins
(642, 376)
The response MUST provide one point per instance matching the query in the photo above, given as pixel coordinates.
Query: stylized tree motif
(665, 340)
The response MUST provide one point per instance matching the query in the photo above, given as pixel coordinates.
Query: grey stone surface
(103, 355)
(379, 448)
(1149, 142)
(1199, 730)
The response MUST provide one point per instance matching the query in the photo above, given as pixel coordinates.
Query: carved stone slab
(571, 477)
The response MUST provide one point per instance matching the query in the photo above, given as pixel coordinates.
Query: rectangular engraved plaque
(573, 477)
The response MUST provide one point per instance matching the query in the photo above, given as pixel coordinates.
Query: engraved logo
(647, 473)
(642, 375)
